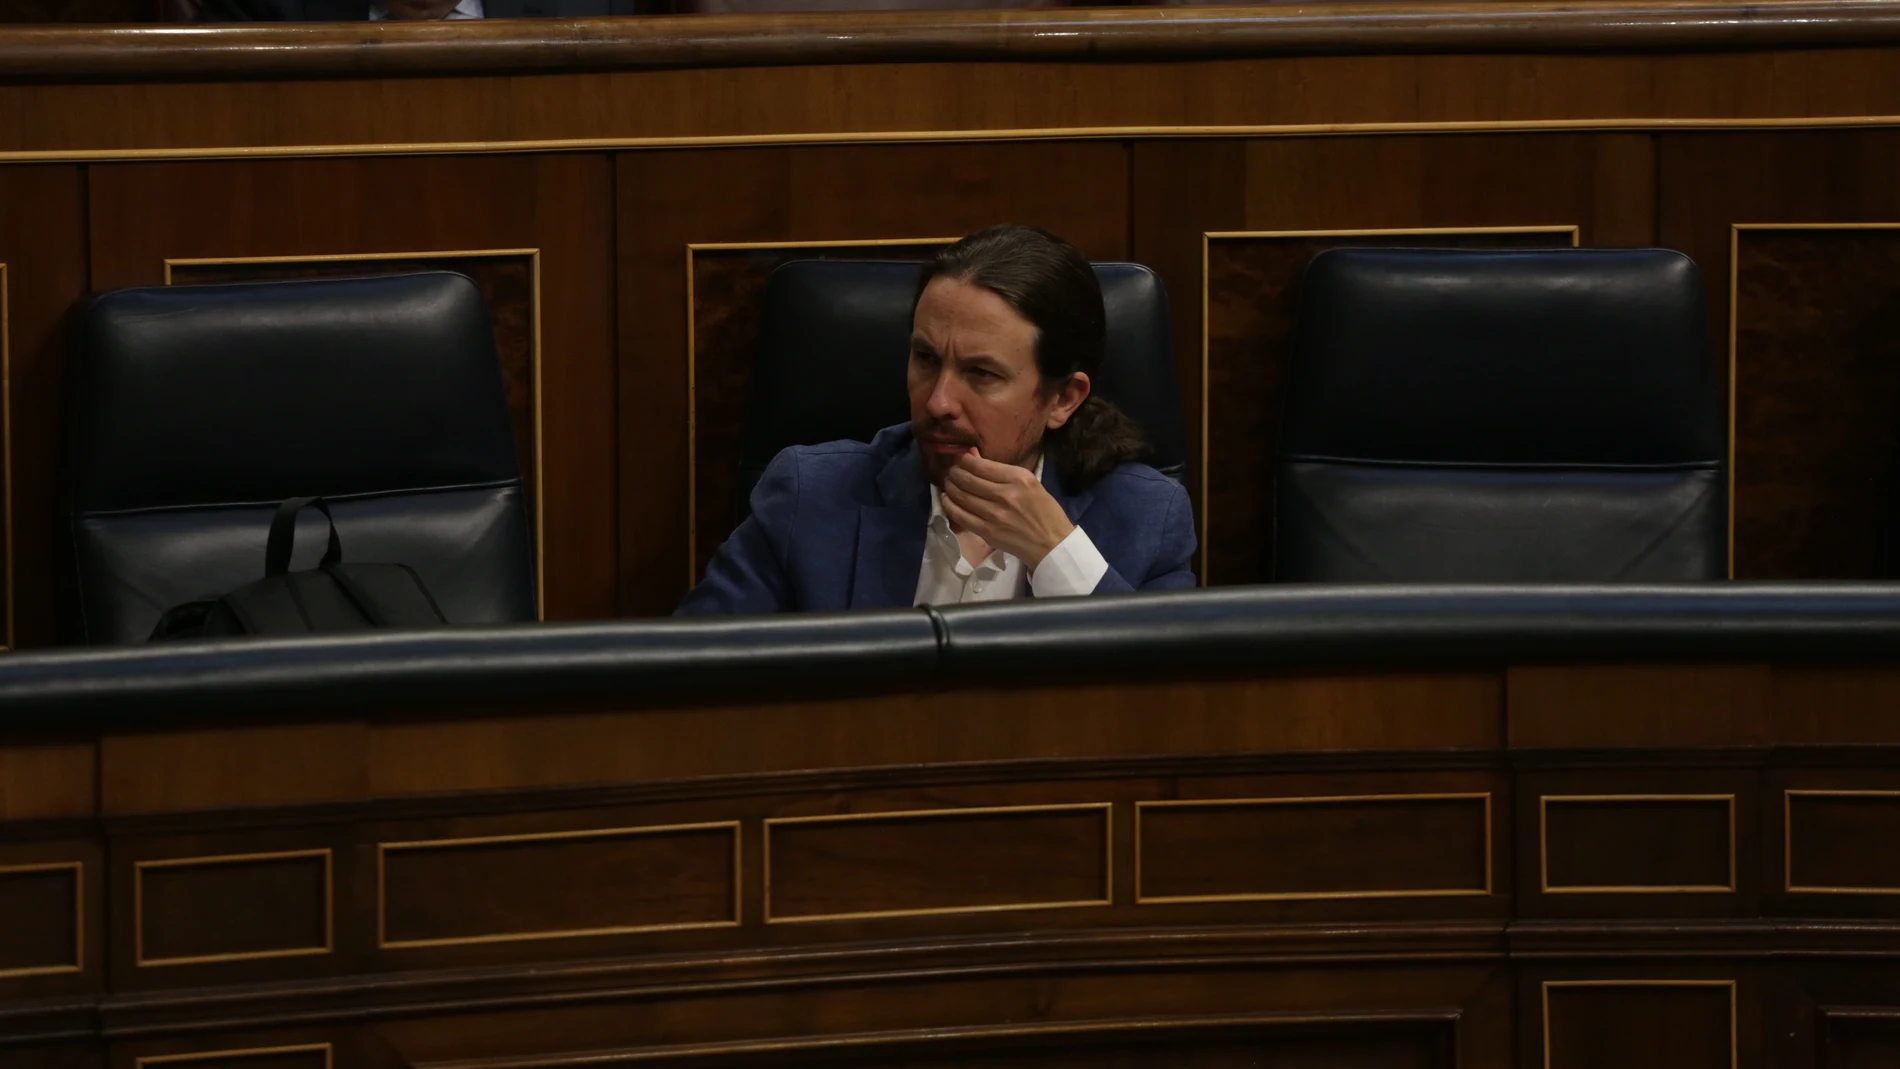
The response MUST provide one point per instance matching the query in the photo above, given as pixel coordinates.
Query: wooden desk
(1676, 865)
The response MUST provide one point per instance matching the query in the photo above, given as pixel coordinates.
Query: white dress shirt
(467, 9)
(1072, 568)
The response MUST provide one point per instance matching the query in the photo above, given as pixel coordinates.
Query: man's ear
(1068, 399)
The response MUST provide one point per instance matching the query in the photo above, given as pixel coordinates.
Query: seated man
(1010, 479)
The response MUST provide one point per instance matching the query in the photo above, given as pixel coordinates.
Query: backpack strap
(283, 536)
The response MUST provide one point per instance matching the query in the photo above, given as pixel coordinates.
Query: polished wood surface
(1507, 867)
(522, 45)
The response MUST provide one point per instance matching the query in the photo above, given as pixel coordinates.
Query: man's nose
(943, 402)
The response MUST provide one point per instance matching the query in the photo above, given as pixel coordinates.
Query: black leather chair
(195, 409)
(834, 339)
(1500, 416)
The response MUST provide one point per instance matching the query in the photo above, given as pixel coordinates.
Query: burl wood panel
(945, 861)
(1817, 403)
(726, 285)
(43, 245)
(1252, 297)
(840, 193)
(508, 287)
(1354, 847)
(1660, 1024)
(1842, 842)
(143, 214)
(41, 918)
(1639, 843)
(232, 908)
(557, 885)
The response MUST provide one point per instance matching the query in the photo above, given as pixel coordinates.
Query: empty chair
(834, 340)
(1499, 416)
(196, 409)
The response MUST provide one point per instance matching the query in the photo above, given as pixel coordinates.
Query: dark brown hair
(1048, 283)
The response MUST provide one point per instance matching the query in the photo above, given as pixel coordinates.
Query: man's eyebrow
(982, 360)
(919, 342)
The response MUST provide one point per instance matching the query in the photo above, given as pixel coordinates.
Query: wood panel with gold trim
(1270, 849)
(232, 908)
(1686, 1023)
(932, 862)
(573, 884)
(43, 245)
(1814, 388)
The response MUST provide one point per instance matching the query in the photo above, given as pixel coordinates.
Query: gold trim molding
(534, 363)
(1211, 236)
(1317, 800)
(138, 907)
(1107, 810)
(1734, 284)
(1543, 845)
(1607, 124)
(692, 359)
(329, 1055)
(79, 917)
(383, 942)
(1787, 842)
(1734, 1046)
(6, 449)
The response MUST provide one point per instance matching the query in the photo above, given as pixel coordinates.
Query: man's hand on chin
(1005, 506)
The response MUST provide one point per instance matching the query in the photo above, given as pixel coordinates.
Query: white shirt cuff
(1071, 569)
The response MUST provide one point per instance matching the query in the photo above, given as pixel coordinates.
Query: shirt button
(978, 588)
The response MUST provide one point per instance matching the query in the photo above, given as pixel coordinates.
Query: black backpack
(332, 597)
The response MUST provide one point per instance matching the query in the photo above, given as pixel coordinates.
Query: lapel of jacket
(891, 535)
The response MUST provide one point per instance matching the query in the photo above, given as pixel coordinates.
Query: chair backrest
(1497, 416)
(196, 409)
(834, 341)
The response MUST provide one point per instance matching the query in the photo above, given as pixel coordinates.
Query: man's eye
(982, 373)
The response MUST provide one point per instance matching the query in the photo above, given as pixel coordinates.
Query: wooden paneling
(723, 296)
(937, 861)
(1809, 465)
(1610, 1024)
(48, 781)
(1637, 843)
(144, 214)
(235, 907)
(179, 771)
(1297, 197)
(1677, 705)
(543, 749)
(554, 885)
(1816, 378)
(293, 1056)
(43, 245)
(1837, 841)
(669, 200)
(44, 905)
(1368, 846)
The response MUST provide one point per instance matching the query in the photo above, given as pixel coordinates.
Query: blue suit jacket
(842, 525)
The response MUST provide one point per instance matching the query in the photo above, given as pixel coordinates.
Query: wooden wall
(1586, 867)
(622, 245)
